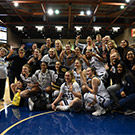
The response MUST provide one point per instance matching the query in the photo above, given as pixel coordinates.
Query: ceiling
(31, 13)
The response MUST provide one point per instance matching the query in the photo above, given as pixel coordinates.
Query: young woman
(77, 71)
(58, 47)
(130, 60)
(123, 48)
(3, 72)
(96, 94)
(26, 77)
(59, 75)
(35, 61)
(83, 58)
(69, 96)
(126, 94)
(51, 58)
(67, 57)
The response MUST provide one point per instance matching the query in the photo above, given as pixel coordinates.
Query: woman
(96, 94)
(3, 72)
(69, 96)
(35, 61)
(51, 58)
(67, 57)
(130, 60)
(123, 48)
(26, 77)
(59, 76)
(126, 94)
(83, 58)
(77, 71)
(58, 47)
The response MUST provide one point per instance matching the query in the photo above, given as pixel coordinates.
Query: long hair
(72, 76)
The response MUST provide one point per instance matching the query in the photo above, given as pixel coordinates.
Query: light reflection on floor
(62, 123)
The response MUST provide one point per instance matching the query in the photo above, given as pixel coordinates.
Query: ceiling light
(82, 13)
(39, 28)
(50, 11)
(20, 28)
(59, 28)
(122, 7)
(115, 29)
(57, 11)
(127, 1)
(96, 28)
(78, 28)
(16, 4)
(88, 12)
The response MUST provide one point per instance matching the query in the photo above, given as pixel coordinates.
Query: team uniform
(51, 61)
(99, 66)
(26, 81)
(77, 77)
(102, 96)
(67, 95)
(44, 79)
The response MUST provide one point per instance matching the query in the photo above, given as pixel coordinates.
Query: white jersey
(77, 78)
(3, 68)
(99, 66)
(44, 79)
(26, 81)
(102, 91)
(67, 95)
(51, 61)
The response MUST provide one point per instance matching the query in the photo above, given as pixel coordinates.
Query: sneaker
(99, 112)
(129, 112)
(62, 108)
(30, 104)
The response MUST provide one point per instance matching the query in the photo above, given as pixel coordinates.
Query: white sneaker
(99, 112)
(30, 104)
(129, 112)
(62, 108)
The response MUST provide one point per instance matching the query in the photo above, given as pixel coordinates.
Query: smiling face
(119, 68)
(123, 44)
(89, 40)
(77, 51)
(89, 72)
(43, 67)
(36, 53)
(77, 64)
(25, 70)
(52, 52)
(68, 77)
(57, 65)
(130, 56)
(19, 84)
(2, 53)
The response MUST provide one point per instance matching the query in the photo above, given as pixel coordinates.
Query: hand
(123, 94)
(78, 37)
(133, 68)
(106, 66)
(53, 107)
(70, 87)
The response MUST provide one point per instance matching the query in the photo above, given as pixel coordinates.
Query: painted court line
(12, 126)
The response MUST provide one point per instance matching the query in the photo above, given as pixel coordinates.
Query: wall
(13, 39)
(125, 35)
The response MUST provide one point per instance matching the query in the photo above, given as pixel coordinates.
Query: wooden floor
(6, 95)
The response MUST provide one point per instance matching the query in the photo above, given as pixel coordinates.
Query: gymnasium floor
(20, 121)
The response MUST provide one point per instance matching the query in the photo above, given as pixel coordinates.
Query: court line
(5, 131)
